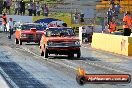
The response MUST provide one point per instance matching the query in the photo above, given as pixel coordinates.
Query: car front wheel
(79, 54)
(46, 53)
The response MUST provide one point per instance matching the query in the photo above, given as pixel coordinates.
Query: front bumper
(31, 38)
(63, 50)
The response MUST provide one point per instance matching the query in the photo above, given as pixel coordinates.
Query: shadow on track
(74, 58)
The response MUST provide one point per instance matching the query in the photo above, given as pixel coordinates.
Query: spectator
(10, 25)
(76, 16)
(45, 10)
(22, 7)
(112, 2)
(34, 9)
(103, 23)
(4, 21)
(112, 26)
(8, 5)
(117, 9)
(4, 4)
(127, 24)
(109, 15)
(30, 5)
(17, 7)
(38, 8)
(1, 7)
(82, 18)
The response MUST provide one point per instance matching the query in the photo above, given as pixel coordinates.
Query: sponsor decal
(83, 78)
(123, 44)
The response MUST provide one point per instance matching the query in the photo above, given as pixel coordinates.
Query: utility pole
(71, 12)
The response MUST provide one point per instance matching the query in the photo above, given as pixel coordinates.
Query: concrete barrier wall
(113, 43)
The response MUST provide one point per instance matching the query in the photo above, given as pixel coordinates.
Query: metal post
(71, 11)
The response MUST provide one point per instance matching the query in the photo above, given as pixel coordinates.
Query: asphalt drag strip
(16, 76)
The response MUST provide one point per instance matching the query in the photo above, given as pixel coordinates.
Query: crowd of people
(78, 18)
(113, 11)
(20, 6)
(112, 17)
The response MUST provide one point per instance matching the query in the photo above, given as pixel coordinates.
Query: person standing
(109, 15)
(10, 25)
(4, 22)
(127, 24)
(103, 23)
(38, 8)
(112, 26)
(8, 5)
(117, 9)
(34, 8)
(22, 7)
(45, 10)
(30, 5)
(1, 7)
(82, 19)
(17, 7)
(76, 18)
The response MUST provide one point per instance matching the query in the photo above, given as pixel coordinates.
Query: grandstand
(126, 5)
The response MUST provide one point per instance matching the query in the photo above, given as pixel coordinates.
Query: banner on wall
(38, 19)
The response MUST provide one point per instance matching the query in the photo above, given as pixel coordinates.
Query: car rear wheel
(79, 54)
(20, 42)
(70, 55)
(46, 53)
(16, 41)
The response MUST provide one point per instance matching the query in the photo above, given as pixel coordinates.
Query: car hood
(63, 39)
(30, 31)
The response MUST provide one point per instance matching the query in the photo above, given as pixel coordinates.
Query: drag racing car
(29, 32)
(60, 41)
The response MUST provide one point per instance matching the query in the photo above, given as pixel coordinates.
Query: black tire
(79, 54)
(70, 55)
(38, 43)
(42, 53)
(46, 53)
(20, 42)
(16, 41)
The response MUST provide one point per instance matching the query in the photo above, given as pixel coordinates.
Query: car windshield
(58, 31)
(28, 26)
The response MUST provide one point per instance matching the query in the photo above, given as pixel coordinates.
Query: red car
(60, 41)
(28, 32)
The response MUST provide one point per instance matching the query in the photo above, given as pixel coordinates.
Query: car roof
(28, 23)
(59, 27)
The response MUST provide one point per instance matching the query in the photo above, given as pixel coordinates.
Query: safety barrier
(112, 43)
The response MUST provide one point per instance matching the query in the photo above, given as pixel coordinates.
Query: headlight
(77, 43)
(50, 43)
(23, 35)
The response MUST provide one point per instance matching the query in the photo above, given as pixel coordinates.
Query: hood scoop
(33, 29)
